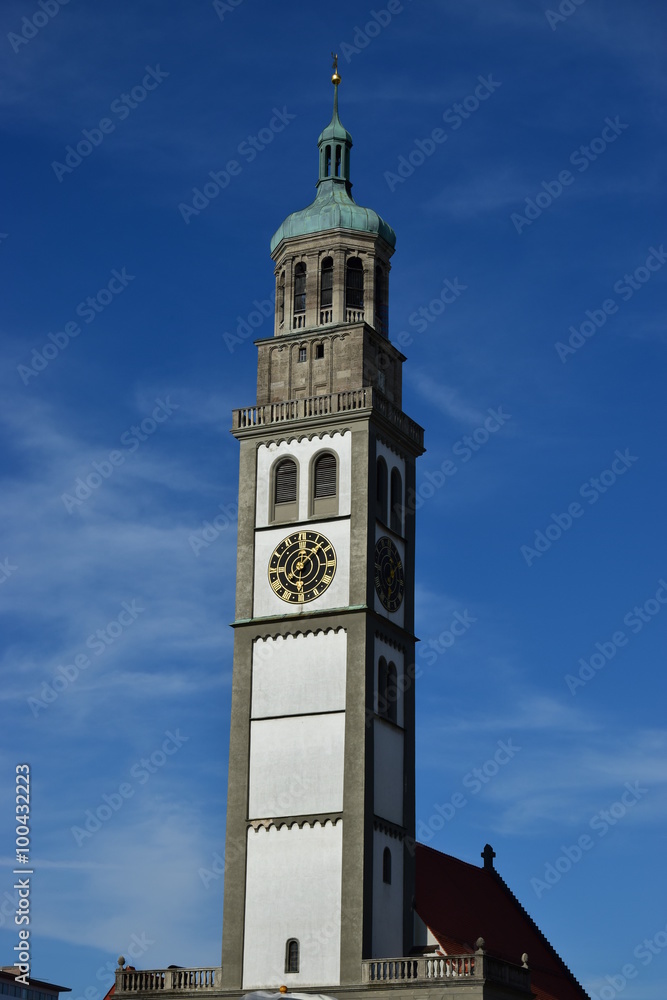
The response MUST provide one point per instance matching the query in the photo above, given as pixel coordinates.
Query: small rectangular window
(302, 354)
(319, 350)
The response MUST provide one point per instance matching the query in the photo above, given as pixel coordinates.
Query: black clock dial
(389, 581)
(301, 567)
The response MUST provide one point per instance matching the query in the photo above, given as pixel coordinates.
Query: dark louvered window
(381, 311)
(285, 485)
(354, 284)
(382, 686)
(386, 866)
(300, 288)
(396, 501)
(381, 490)
(392, 693)
(325, 477)
(327, 281)
(281, 298)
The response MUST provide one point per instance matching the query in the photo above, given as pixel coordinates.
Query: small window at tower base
(292, 955)
(319, 350)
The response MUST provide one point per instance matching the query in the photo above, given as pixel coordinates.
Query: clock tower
(319, 864)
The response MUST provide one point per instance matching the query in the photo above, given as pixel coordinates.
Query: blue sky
(539, 201)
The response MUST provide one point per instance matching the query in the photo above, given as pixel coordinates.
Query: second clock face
(301, 567)
(389, 582)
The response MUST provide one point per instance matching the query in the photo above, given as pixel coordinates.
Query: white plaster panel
(303, 451)
(297, 674)
(293, 890)
(388, 766)
(394, 616)
(387, 899)
(296, 766)
(391, 654)
(337, 594)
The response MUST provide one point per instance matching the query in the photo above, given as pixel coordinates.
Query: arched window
(396, 502)
(327, 162)
(386, 866)
(381, 490)
(354, 286)
(337, 161)
(292, 955)
(326, 283)
(381, 310)
(300, 288)
(281, 299)
(285, 490)
(325, 485)
(387, 690)
(382, 686)
(391, 693)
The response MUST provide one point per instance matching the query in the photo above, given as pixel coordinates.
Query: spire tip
(335, 79)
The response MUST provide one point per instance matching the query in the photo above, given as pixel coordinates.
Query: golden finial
(335, 79)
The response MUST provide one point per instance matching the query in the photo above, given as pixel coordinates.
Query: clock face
(389, 582)
(301, 567)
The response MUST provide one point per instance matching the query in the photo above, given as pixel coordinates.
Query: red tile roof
(460, 902)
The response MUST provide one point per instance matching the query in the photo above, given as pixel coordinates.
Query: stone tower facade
(320, 822)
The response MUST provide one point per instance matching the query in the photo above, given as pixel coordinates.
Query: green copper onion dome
(334, 207)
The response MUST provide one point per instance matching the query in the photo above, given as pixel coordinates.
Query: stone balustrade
(166, 980)
(424, 969)
(366, 398)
